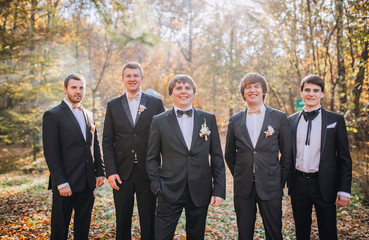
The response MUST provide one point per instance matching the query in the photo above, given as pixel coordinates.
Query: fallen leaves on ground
(25, 211)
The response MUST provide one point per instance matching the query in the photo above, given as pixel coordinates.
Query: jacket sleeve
(230, 148)
(51, 144)
(109, 143)
(217, 162)
(344, 159)
(153, 156)
(285, 147)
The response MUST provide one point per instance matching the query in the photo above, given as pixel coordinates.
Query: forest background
(215, 42)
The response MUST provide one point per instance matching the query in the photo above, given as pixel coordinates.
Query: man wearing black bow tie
(126, 133)
(72, 153)
(321, 173)
(258, 154)
(184, 163)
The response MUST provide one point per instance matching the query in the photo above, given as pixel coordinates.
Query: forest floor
(25, 210)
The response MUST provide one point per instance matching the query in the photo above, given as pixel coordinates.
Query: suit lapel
(241, 122)
(267, 122)
(294, 123)
(197, 123)
(126, 109)
(88, 120)
(324, 130)
(71, 116)
(143, 103)
(172, 118)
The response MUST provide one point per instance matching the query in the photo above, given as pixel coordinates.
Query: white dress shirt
(254, 123)
(133, 106)
(186, 124)
(308, 156)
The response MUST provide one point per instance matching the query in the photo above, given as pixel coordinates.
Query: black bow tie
(188, 113)
(309, 117)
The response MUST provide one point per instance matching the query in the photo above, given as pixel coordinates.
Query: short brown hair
(74, 76)
(252, 78)
(313, 79)
(182, 78)
(133, 65)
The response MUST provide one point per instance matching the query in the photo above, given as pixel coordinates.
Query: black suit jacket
(171, 166)
(67, 153)
(122, 139)
(335, 168)
(271, 171)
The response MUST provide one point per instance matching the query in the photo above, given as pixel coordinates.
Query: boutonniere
(204, 131)
(269, 132)
(141, 108)
(92, 128)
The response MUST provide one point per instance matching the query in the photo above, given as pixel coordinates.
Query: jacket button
(132, 151)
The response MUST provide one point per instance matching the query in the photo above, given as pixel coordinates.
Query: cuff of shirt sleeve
(345, 194)
(63, 185)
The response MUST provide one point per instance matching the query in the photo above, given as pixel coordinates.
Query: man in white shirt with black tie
(321, 172)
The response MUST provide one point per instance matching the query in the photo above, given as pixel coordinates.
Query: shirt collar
(313, 109)
(70, 105)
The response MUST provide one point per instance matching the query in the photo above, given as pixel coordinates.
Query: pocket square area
(332, 125)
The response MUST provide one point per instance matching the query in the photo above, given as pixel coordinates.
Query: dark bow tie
(188, 113)
(309, 117)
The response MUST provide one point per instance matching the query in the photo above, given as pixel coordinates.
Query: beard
(76, 98)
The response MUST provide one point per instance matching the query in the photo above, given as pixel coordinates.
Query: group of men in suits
(172, 160)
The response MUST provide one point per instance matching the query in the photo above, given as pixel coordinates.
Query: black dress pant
(270, 211)
(62, 207)
(304, 195)
(124, 203)
(168, 214)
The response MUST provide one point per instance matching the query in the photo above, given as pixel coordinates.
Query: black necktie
(188, 113)
(309, 117)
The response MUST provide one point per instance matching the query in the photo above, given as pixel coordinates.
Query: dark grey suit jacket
(122, 139)
(335, 168)
(67, 153)
(271, 170)
(171, 166)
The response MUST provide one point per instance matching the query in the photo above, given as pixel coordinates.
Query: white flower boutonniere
(204, 131)
(92, 128)
(141, 108)
(269, 132)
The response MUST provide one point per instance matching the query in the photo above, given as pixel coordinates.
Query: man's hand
(65, 191)
(112, 179)
(100, 181)
(342, 201)
(216, 201)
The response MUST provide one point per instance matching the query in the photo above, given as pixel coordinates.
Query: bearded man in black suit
(322, 167)
(126, 133)
(185, 163)
(72, 153)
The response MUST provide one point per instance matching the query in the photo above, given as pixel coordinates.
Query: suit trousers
(304, 195)
(270, 211)
(62, 207)
(124, 203)
(168, 214)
